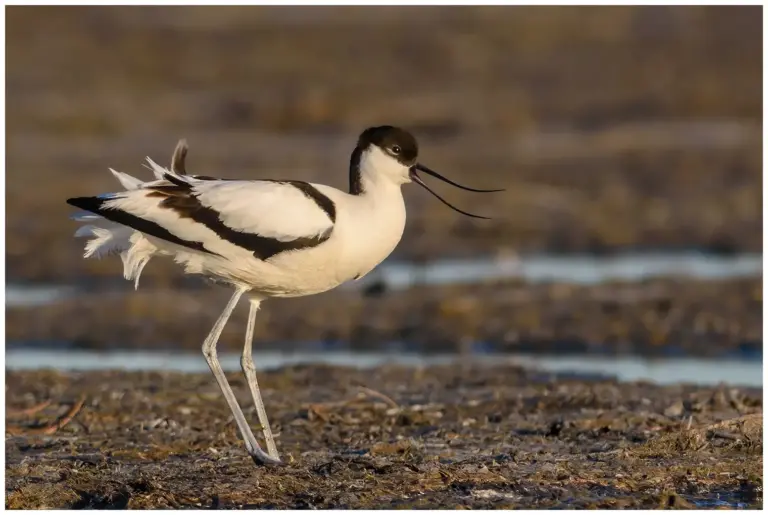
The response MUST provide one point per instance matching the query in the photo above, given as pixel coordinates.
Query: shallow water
(23, 296)
(720, 500)
(577, 269)
(535, 268)
(666, 371)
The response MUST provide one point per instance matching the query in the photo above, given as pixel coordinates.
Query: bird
(263, 238)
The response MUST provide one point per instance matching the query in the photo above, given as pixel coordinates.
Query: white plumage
(266, 238)
(271, 209)
(360, 238)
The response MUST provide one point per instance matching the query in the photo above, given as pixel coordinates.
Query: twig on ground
(28, 411)
(50, 428)
(373, 393)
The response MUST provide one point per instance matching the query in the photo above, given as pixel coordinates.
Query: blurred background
(628, 140)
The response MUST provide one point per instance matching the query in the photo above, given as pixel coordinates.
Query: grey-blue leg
(249, 369)
(211, 356)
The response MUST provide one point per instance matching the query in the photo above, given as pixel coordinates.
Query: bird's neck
(365, 179)
(356, 182)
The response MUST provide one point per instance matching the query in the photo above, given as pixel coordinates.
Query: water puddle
(666, 371)
(724, 500)
(24, 296)
(575, 269)
(661, 371)
(718, 503)
(534, 268)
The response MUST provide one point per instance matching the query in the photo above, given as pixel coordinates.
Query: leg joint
(209, 351)
(246, 362)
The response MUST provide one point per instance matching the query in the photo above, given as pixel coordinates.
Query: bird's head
(387, 154)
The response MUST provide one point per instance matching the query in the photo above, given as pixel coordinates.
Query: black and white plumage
(266, 238)
(228, 229)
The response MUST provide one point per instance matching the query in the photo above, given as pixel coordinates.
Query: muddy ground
(610, 128)
(437, 437)
(660, 317)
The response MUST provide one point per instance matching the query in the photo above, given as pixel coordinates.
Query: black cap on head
(401, 145)
(397, 142)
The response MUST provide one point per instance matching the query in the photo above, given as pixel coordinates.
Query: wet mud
(437, 437)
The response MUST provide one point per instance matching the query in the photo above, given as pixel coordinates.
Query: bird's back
(280, 238)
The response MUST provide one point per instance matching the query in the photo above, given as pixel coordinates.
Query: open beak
(421, 168)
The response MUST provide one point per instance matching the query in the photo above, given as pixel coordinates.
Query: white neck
(377, 172)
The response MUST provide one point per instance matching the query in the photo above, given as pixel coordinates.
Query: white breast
(370, 229)
(367, 230)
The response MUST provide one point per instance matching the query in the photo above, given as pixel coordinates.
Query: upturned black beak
(421, 168)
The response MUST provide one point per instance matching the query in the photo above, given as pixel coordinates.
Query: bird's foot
(261, 458)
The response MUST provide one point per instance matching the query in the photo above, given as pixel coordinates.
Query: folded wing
(220, 217)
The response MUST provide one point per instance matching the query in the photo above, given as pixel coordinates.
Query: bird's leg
(249, 369)
(209, 351)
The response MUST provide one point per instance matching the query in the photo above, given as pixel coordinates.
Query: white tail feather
(85, 231)
(136, 257)
(158, 170)
(106, 241)
(109, 238)
(129, 182)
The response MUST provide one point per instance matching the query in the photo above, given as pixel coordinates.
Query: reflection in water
(667, 371)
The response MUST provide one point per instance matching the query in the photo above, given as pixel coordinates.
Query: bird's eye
(396, 149)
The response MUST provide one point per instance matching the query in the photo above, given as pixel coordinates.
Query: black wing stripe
(180, 199)
(261, 246)
(95, 205)
(178, 182)
(322, 201)
(313, 193)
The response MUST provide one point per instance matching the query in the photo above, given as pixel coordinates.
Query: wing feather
(209, 215)
(278, 210)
